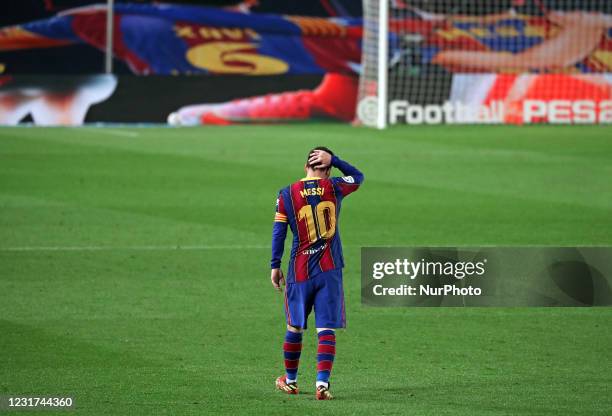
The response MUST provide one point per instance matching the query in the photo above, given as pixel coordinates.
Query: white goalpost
(383, 56)
(110, 27)
(372, 96)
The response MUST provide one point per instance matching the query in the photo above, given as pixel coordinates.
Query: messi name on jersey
(312, 192)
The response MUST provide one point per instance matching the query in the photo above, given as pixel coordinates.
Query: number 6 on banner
(325, 227)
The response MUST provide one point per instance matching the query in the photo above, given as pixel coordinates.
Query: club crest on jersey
(312, 192)
(348, 179)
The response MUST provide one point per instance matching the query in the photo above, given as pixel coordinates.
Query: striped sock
(325, 355)
(292, 348)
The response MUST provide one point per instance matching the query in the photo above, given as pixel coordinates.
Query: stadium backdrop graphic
(196, 40)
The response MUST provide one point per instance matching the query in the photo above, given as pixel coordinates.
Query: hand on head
(319, 159)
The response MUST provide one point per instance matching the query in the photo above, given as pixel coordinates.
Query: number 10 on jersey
(325, 225)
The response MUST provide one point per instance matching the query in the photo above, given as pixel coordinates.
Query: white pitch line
(134, 248)
(114, 132)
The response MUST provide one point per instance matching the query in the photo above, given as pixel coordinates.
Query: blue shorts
(323, 292)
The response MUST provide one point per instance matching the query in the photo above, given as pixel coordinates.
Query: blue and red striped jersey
(311, 208)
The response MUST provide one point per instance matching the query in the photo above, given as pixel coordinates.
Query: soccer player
(311, 207)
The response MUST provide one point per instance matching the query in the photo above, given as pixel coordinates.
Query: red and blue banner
(178, 39)
(175, 39)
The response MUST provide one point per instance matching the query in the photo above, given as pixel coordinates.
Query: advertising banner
(74, 100)
(512, 99)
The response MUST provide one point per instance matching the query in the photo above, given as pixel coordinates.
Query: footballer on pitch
(311, 207)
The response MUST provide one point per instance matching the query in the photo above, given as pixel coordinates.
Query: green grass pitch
(134, 269)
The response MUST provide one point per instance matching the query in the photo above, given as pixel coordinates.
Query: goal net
(481, 61)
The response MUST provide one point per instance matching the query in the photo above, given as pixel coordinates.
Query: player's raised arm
(279, 233)
(348, 170)
(352, 178)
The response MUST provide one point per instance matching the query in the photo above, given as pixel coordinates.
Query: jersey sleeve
(281, 214)
(279, 233)
(351, 181)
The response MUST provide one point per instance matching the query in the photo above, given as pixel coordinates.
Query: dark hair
(325, 149)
